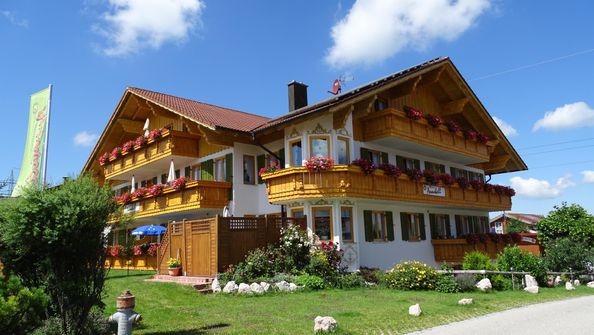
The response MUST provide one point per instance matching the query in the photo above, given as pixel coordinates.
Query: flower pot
(174, 271)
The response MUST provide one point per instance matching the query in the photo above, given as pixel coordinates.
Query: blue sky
(241, 55)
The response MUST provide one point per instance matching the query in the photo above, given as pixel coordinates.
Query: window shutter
(385, 158)
(206, 169)
(433, 226)
(458, 225)
(390, 226)
(366, 154)
(404, 226)
(229, 167)
(417, 164)
(367, 222)
(400, 163)
(281, 155)
(260, 163)
(448, 227)
(422, 227)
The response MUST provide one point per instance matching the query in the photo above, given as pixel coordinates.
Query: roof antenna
(337, 85)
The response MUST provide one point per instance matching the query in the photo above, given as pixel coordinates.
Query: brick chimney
(297, 95)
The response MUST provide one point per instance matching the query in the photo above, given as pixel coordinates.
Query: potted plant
(174, 267)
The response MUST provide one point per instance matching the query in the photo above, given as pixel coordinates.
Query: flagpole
(47, 129)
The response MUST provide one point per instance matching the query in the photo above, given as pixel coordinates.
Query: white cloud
(540, 189)
(133, 25)
(375, 30)
(575, 115)
(12, 18)
(588, 176)
(505, 127)
(85, 139)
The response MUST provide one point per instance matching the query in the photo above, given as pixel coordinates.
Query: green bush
(571, 221)
(371, 275)
(319, 266)
(282, 277)
(522, 261)
(466, 282)
(500, 282)
(21, 309)
(311, 282)
(350, 280)
(446, 283)
(564, 253)
(295, 244)
(477, 260)
(411, 275)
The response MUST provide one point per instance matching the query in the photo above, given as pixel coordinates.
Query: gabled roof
(205, 114)
(526, 218)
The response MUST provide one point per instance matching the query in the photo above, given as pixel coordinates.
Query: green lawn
(176, 309)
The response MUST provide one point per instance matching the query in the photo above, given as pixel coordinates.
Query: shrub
(466, 282)
(522, 261)
(260, 262)
(21, 308)
(571, 221)
(371, 275)
(500, 282)
(295, 245)
(319, 266)
(563, 253)
(310, 281)
(350, 280)
(446, 283)
(411, 275)
(282, 277)
(333, 255)
(477, 260)
(515, 226)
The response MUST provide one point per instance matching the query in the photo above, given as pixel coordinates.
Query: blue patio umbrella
(149, 230)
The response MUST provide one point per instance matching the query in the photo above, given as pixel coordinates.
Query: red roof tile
(206, 114)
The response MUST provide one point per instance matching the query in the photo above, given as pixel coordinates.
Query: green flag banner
(31, 170)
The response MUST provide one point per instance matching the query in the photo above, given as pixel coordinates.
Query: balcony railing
(349, 181)
(171, 143)
(195, 195)
(394, 123)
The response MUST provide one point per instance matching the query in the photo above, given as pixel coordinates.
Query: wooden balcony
(453, 250)
(171, 143)
(394, 123)
(349, 181)
(196, 195)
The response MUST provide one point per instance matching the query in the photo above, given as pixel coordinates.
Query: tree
(54, 239)
(571, 221)
(514, 226)
(563, 254)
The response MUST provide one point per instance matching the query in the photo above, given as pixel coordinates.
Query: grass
(171, 309)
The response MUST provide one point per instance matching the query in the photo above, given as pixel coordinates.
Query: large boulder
(569, 286)
(557, 281)
(531, 289)
(257, 288)
(244, 289)
(231, 287)
(293, 287)
(283, 286)
(530, 281)
(265, 286)
(215, 286)
(590, 284)
(324, 324)
(415, 310)
(576, 283)
(465, 301)
(484, 285)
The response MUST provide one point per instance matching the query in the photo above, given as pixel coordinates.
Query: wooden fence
(208, 246)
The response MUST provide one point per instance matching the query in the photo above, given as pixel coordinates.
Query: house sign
(437, 191)
(528, 240)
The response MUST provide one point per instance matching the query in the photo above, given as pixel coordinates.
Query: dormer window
(380, 104)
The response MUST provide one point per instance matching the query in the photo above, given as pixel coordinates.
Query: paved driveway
(573, 316)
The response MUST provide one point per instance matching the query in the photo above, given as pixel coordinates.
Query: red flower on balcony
(431, 177)
(156, 133)
(463, 182)
(180, 183)
(391, 170)
(115, 250)
(470, 134)
(318, 164)
(488, 188)
(434, 120)
(447, 179)
(366, 165)
(116, 152)
(127, 147)
(140, 141)
(140, 192)
(412, 113)
(124, 199)
(452, 126)
(152, 250)
(137, 250)
(482, 138)
(274, 166)
(156, 190)
(414, 174)
(477, 185)
(103, 159)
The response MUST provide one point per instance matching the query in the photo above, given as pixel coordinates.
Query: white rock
(215, 286)
(465, 301)
(557, 281)
(415, 310)
(293, 287)
(244, 289)
(569, 286)
(530, 281)
(323, 324)
(531, 289)
(265, 286)
(576, 283)
(283, 286)
(590, 284)
(484, 285)
(256, 288)
(231, 287)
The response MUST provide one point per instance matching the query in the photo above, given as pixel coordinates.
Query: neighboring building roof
(527, 218)
(208, 115)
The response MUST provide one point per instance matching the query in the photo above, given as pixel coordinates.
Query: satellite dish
(337, 85)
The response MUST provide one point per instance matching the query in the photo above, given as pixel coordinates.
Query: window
(196, 173)
(458, 173)
(164, 178)
(322, 222)
(435, 167)
(296, 157)
(440, 226)
(466, 224)
(476, 176)
(188, 172)
(154, 181)
(343, 150)
(219, 169)
(297, 213)
(380, 104)
(378, 226)
(346, 221)
(413, 226)
(249, 170)
(405, 163)
(143, 183)
(377, 157)
(177, 173)
(319, 146)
